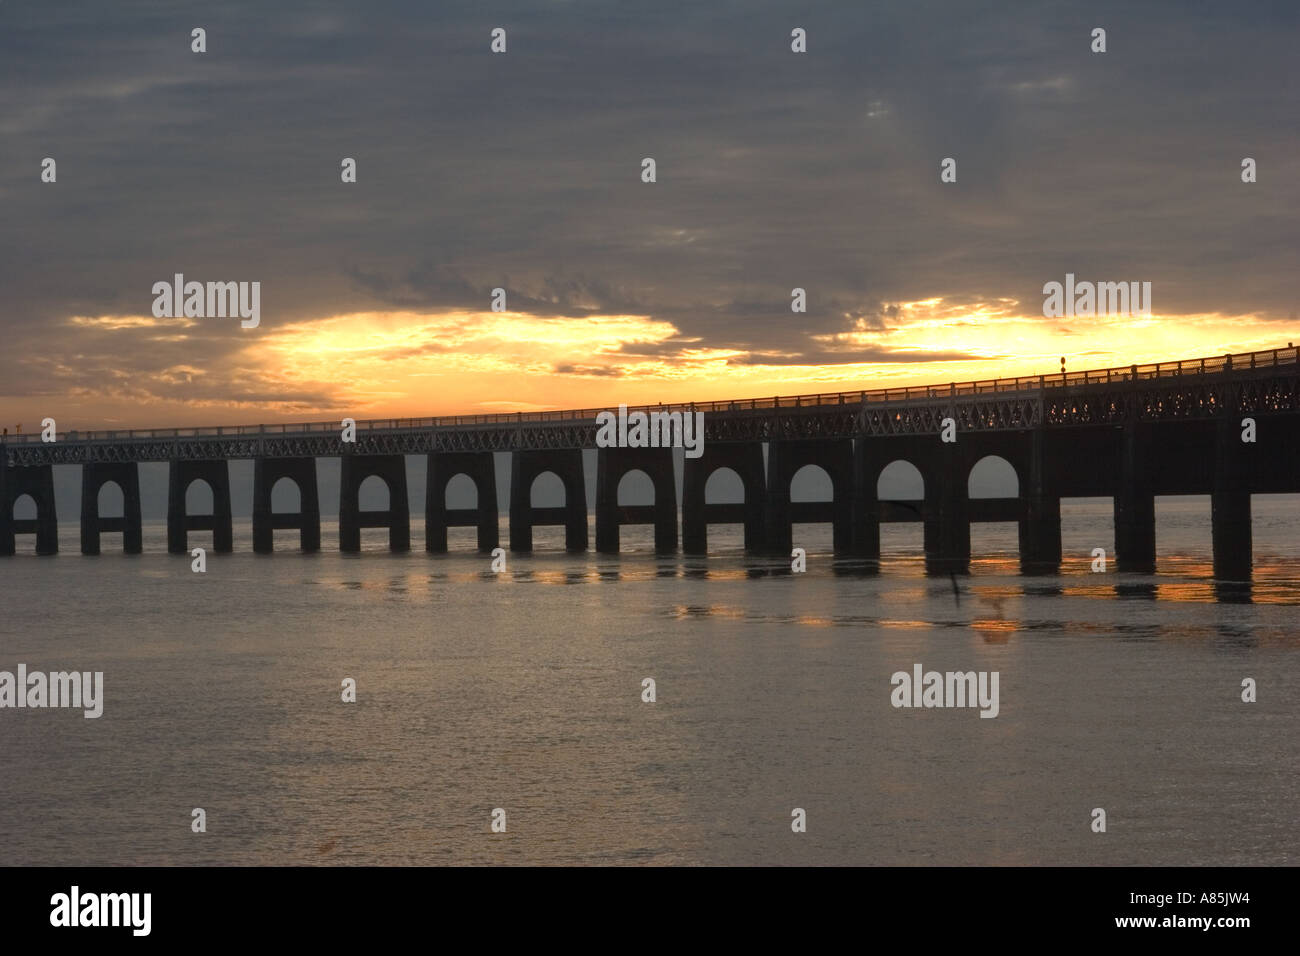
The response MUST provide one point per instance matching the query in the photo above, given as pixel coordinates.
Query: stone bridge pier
(1040, 522)
(1234, 462)
(784, 459)
(864, 531)
(611, 465)
(302, 472)
(38, 482)
(525, 466)
(746, 460)
(391, 469)
(480, 468)
(126, 475)
(183, 473)
(1135, 501)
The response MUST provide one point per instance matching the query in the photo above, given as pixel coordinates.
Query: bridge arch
(375, 491)
(993, 477)
(741, 478)
(635, 483)
(26, 516)
(286, 494)
(546, 484)
(461, 484)
(725, 486)
(811, 483)
(199, 497)
(900, 480)
(111, 500)
(993, 493)
(899, 486)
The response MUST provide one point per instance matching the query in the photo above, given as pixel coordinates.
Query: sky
(523, 171)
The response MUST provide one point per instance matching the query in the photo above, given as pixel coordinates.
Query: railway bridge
(1227, 426)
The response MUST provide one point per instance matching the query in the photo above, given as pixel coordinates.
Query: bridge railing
(1024, 383)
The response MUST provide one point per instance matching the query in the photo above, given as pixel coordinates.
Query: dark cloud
(600, 371)
(522, 171)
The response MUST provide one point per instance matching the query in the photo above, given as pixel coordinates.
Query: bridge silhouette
(1129, 433)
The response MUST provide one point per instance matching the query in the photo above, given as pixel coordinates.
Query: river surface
(522, 690)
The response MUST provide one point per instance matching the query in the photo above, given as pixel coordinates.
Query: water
(523, 691)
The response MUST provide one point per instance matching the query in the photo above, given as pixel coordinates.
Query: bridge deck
(1258, 382)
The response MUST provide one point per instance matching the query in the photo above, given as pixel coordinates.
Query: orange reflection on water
(996, 628)
(902, 594)
(815, 621)
(561, 576)
(1088, 590)
(683, 611)
(995, 631)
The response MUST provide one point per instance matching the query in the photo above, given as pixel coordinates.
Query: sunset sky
(775, 170)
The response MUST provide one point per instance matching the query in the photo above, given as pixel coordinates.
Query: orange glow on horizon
(408, 364)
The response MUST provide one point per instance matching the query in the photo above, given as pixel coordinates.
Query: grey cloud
(775, 170)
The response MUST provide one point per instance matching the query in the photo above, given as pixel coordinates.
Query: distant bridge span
(1128, 433)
